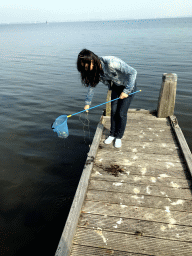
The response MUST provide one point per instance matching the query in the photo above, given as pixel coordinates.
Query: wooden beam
(167, 95)
(182, 142)
(132, 226)
(133, 244)
(108, 105)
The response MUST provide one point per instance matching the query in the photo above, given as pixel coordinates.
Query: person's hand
(86, 107)
(123, 96)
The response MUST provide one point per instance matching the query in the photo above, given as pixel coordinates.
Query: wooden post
(108, 105)
(167, 95)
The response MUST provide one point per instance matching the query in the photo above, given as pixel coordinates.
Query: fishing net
(60, 126)
(84, 119)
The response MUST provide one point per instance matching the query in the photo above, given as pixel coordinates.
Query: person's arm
(132, 73)
(89, 96)
(131, 83)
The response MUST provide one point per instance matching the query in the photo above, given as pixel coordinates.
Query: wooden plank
(65, 243)
(146, 147)
(143, 167)
(182, 142)
(135, 226)
(142, 118)
(81, 250)
(135, 124)
(165, 179)
(150, 125)
(145, 124)
(138, 189)
(122, 156)
(153, 145)
(142, 111)
(158, 202)
(146, 117)
(138, 212)
(131, 243)
(141, 138)
(148, 132)
(152, 128)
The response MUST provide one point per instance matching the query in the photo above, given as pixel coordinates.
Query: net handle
(100, 105)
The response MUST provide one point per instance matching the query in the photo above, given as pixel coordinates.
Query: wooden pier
(135, 200)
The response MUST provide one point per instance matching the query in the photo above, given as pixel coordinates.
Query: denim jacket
(117, 71)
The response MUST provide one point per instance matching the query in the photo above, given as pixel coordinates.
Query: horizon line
(92, 20)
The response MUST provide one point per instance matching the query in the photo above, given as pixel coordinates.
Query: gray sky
(12, 11)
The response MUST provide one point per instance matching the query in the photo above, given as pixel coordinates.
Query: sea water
(39, 82)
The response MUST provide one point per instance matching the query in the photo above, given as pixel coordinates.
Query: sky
(21, 11)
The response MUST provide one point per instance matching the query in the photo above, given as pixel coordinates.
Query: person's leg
(119, 109)
(114, 94)
(114, 104)
(122, 109)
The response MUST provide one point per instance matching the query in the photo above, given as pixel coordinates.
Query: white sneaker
(109, 140)
(118, 143)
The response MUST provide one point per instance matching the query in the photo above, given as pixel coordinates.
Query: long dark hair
(89, 77)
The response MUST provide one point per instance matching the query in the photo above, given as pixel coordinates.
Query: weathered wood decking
(138, 200)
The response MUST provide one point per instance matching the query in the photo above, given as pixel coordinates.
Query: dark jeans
(119, 109)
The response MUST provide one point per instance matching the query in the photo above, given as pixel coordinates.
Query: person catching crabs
(119, 77)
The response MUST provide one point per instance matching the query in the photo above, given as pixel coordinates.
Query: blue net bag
(60, 126)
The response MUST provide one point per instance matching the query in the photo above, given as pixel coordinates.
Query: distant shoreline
(118, 20)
